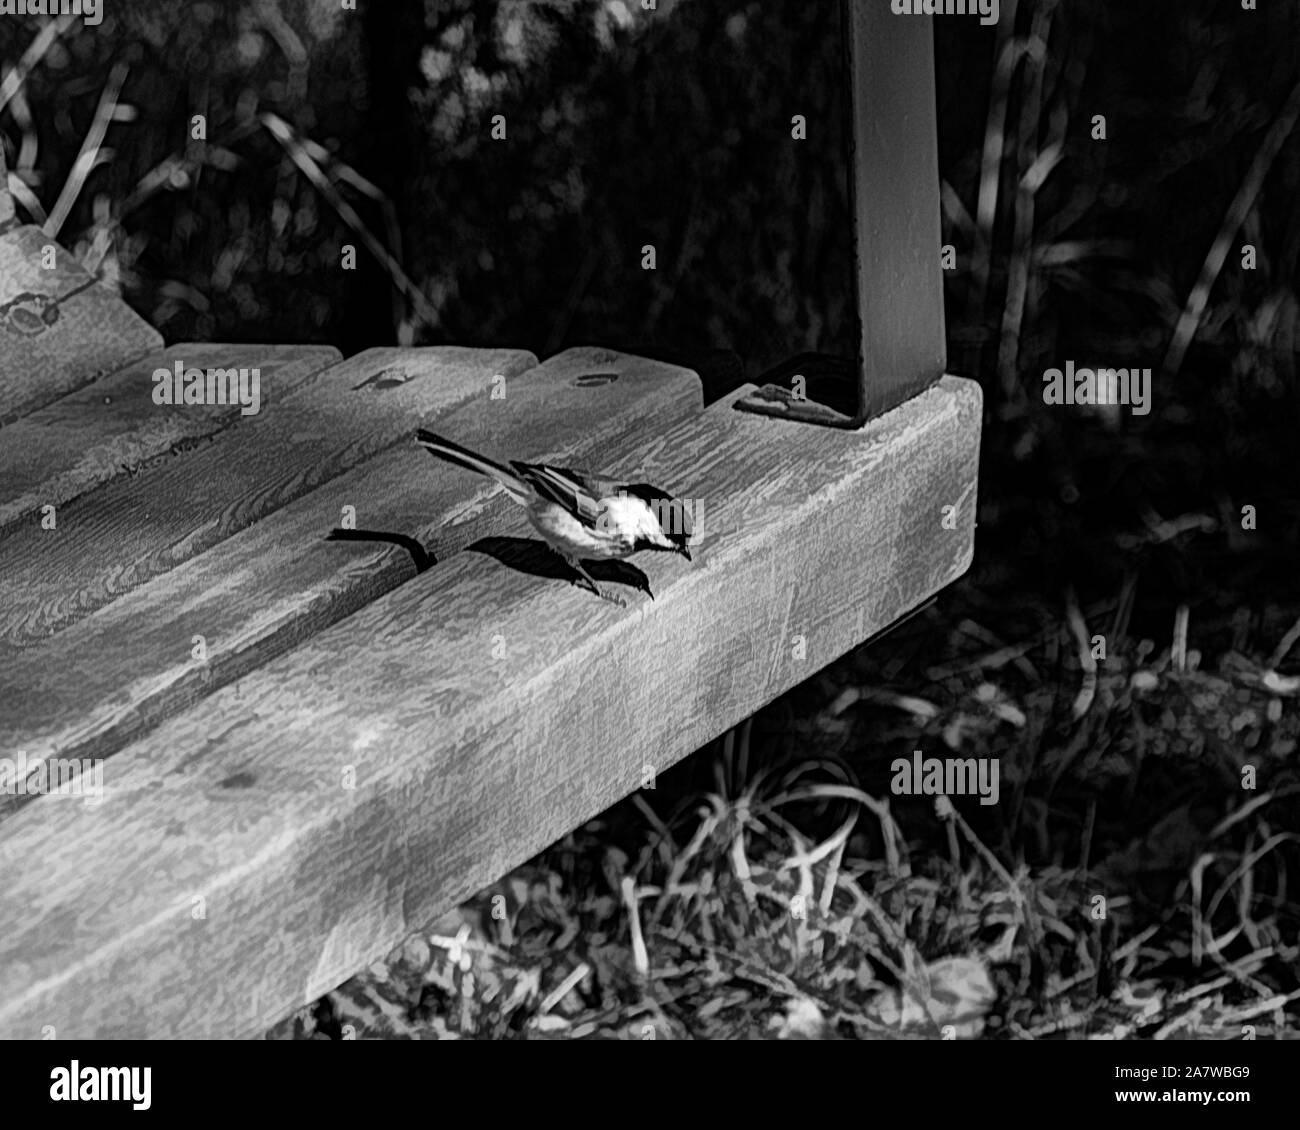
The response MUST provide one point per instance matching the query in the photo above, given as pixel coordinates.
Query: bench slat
(87, 691)
(231, 874)
(112, 426)
(59, 329)
(136, 528)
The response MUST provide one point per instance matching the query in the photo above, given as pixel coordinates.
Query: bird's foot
(587, 581)
(612, 597)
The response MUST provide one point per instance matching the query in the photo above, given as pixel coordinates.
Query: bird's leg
(613, 598)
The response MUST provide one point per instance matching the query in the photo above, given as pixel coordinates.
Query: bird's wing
(576, 491)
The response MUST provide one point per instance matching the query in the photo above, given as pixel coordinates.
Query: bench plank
(87, 691)
(112, 426)
(136, 528)
(231, 873)
(59, 328)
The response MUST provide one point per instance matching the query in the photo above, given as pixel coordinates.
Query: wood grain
(87, 691)
(112, 426)
(136, 528)
(484, 712)
(59, 329)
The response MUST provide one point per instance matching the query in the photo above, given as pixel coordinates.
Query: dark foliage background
(673, 128)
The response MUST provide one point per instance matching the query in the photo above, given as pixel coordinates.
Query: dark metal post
(894, 209)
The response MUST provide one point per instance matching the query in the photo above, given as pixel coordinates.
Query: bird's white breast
(562, 530)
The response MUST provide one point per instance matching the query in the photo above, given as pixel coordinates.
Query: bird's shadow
(422, 557)
(528, 555)
(524, 555)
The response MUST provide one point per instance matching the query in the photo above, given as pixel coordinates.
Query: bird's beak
(684, 552)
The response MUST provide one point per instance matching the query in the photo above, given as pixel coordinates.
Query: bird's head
(661, 521)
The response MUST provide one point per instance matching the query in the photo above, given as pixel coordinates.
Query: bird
(580, 515)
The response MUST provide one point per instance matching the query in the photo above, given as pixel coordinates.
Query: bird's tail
(463, 457)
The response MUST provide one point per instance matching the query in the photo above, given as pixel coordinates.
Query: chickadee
(580, 515)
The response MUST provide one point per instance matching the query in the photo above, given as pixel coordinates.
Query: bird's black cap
(674, 518)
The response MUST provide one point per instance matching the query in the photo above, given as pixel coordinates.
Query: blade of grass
(91, 154)
(298, 153)
(1236, 215)
(36, 50)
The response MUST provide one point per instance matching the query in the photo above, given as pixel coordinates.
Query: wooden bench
(310, 746)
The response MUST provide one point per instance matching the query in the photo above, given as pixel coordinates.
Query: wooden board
(87, 691)
(59, 329)
(136, 528)
(256, 850)
(112, 426)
